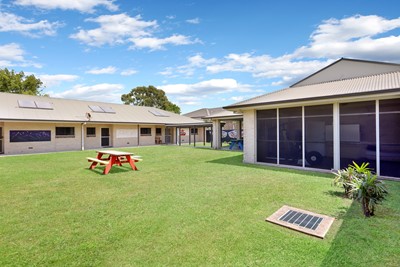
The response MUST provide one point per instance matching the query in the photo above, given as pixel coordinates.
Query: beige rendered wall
(199, 136)
(249, 136)
(56, 143)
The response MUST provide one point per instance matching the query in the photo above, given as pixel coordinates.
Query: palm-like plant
(369, 191)
(346, 176)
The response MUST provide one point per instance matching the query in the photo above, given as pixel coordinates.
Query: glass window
(357, 133)
(290, 136)
(158, 131)
(90, 131)
(194, 130)
(65, 131)
(319, 136)
(389, 129)
(266, 136)
(145, 131)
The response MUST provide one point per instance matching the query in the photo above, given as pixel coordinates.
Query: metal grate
(301, 219)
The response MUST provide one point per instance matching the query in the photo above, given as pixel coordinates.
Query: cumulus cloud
(365, 37)
(357, 36)
(194, 62)
(107, 70)
(128, 72)
(193, 21)
(213, 86)
(123, 29)
(97, 92)
(80, 5)
(13, 55)
(56, 79)
(12, 23)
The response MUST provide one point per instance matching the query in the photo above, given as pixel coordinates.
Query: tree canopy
(149, 96)
(18, 83)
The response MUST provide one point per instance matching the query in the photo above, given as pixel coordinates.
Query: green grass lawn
(185, 206)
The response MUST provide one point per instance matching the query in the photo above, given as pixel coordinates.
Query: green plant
(369, 191)
(345, 177)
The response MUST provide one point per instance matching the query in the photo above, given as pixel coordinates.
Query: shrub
(345, 177)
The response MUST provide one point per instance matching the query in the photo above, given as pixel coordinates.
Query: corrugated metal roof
(225, 114)
(203, 112)
(379, 83)
(69, 110)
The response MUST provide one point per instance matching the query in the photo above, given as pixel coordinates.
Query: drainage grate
(301, 219)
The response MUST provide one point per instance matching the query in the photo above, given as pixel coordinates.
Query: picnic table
(110, 158)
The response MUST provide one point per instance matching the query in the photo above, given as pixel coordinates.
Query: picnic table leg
(109, 165)
(131, 162)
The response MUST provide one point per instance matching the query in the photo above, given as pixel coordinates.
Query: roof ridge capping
(341, 60)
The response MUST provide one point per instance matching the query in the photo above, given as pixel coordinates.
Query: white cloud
(13, 55)
(122, 29)
(107, 70)
(128, 72)
(104, 92)
(53, 80)
(213, 86)
(358, 36)
(193, 21)
(194, 62)
(189, 101)
(10, 22)
(80, 5)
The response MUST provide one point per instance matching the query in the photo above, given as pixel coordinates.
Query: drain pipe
(83, 136)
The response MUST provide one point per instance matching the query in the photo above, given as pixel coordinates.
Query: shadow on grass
(114, 169)
(238, 161)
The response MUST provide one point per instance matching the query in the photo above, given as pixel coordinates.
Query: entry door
(105, 136)
(1, 141)
(168, 135)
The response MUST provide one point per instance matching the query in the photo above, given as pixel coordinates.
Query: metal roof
(203, 112)
(68, 110)
(373, 84)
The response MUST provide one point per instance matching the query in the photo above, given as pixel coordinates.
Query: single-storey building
(33, 124)
(347, 111)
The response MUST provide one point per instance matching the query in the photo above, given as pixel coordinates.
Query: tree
(18, 83)
(149, 96)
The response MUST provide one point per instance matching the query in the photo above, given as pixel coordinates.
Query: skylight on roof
(101, 109)
(34, 104)
(158, 113)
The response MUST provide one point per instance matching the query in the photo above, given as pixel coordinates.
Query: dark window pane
(145, 131)
(90, 131)
(357, 133)
(389, 122)
(65, 131)
(290, 136)
(319, 136)
(266, 136)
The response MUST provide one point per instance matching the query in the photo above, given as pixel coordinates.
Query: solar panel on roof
(96, 108)
(26, 104)
(44, 105)
(158, 113)
(108, 109)
(301, 219)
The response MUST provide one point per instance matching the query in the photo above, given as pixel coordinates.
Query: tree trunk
(365, 205)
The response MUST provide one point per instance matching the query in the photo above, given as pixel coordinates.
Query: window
(290, 136)
(65, 132)
(29, 136)
(389, 117)
(319, 136)
(194, 131)
(357, 133)
(90, 131)
(145, 131)
(158, 131)
(266, 136)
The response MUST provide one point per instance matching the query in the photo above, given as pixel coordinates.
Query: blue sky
(202, 53)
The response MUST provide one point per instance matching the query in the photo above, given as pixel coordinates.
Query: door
(105, 136)
(1, 141)
(168, 135)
